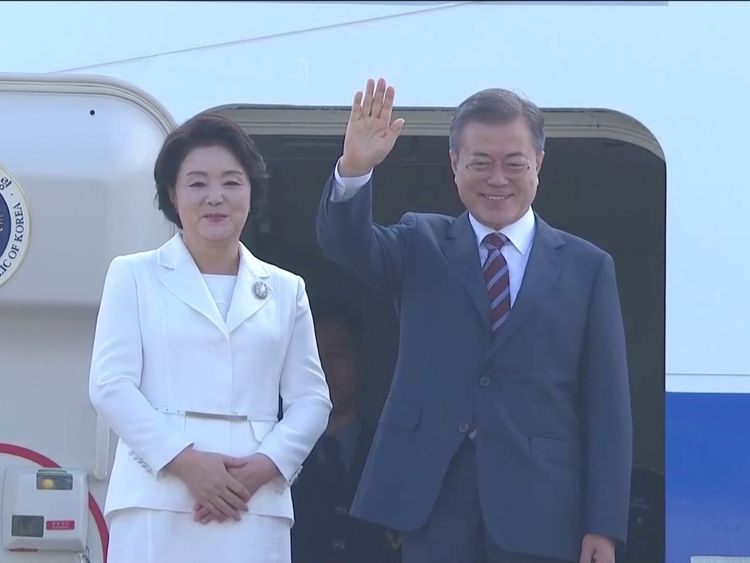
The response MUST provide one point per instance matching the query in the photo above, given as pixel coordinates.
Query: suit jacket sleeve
(373, 253)
(304, 395)
(116, 368)
(605, 401)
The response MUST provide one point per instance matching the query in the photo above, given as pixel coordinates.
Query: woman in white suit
(195, 343)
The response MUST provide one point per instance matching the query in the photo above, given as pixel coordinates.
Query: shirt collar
(520, 233)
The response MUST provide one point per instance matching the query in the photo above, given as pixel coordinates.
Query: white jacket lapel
(179, 274)
(251, 291)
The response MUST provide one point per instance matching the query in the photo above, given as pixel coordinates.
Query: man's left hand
(597, 549)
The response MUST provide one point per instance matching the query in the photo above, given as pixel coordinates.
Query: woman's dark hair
(205, 130)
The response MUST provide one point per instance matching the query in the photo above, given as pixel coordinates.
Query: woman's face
(212, 195)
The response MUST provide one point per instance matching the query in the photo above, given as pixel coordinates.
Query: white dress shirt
(520, 234)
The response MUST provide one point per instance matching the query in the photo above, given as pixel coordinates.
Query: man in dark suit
(324, 532)
(506, 435)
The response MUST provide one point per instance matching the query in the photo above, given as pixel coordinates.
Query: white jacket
(162, 348)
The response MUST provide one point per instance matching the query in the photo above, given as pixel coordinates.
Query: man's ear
(539, 159)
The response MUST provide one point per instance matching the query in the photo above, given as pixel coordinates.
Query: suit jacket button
(339, 545)
(463, 428)
(340, 509)
(484, 381)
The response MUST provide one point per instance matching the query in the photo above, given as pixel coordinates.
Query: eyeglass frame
(513, 172)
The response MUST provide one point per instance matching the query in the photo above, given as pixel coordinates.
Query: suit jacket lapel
(179, 274)
(460, 248)
(248, 296)
(542, 273)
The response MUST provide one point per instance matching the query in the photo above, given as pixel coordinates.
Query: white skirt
(138, 535)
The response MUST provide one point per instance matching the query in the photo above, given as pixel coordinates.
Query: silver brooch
(260, 289)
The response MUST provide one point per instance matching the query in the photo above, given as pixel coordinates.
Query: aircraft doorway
(603, 179)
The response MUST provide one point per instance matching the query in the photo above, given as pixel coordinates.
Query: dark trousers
(455, 532)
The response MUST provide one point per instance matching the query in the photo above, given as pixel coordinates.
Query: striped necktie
(497, 278)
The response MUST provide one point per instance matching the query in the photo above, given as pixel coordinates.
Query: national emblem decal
(15, 224)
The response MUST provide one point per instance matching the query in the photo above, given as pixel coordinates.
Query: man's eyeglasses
(510, 168)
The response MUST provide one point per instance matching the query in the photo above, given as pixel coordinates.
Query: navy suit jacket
(549, 391)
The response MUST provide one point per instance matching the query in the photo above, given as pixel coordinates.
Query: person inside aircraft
(195, 343)
(324, 532)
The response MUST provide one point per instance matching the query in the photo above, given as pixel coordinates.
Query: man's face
(338, 357)
(496, 170)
